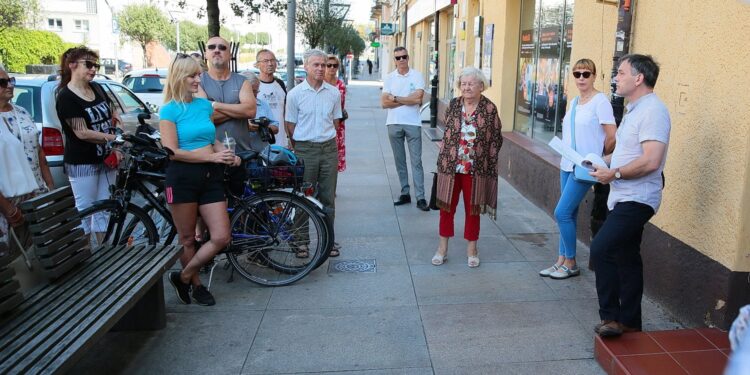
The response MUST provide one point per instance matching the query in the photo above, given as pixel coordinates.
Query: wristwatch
(618, 175)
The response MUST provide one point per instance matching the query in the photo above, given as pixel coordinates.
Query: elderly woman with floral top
(468, 163)
(23, 166)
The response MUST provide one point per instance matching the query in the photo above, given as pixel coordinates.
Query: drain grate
(355, 265)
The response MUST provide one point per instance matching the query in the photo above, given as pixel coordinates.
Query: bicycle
(124, 221)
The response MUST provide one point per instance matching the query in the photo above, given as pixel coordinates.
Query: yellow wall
(505, 16)
(705, 72)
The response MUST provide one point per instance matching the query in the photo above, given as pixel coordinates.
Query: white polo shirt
(647, 119)
(313, 111)
(403, 85)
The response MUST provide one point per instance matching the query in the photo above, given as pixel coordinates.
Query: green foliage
(190, 34)
(23, 47)
(261, 38)
(345, 39)
(143, 24)
(241, 8)
(317, 19)
(16, 13)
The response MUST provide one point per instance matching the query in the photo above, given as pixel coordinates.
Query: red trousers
(471, 226)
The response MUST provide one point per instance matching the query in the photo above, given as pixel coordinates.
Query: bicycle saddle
(247, 155)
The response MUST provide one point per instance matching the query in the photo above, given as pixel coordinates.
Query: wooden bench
(117, 288)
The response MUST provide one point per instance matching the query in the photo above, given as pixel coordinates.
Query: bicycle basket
(264, 176)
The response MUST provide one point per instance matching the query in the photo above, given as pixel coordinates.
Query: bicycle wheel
(277, 239)
(166, 232)
(111, 224)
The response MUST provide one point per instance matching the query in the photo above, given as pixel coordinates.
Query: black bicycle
(118, 220)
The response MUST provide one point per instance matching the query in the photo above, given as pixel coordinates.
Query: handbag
(579, 174)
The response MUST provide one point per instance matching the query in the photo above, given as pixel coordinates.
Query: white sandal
(473, 261)
(438, 259)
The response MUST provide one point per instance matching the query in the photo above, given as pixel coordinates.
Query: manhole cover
(357, 265)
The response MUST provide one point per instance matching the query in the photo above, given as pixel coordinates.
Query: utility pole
(291, 16)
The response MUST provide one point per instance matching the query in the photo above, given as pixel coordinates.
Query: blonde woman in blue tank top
(194, 182)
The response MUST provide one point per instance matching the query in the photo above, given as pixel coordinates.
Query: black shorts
(201, 183)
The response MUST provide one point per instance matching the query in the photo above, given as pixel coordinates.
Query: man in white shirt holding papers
(635, 178)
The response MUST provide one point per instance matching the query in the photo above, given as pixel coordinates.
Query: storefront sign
(387, 29)
(527, 43)
(375, 44)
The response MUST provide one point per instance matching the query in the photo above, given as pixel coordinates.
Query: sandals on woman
(473, 261)
(438, 259)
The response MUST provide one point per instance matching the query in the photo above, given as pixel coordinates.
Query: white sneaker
(548, 271)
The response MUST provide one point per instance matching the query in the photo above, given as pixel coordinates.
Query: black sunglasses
(221, 47)
(332, 65)
(5, 81)
(90, 64)
(403, 57)
(584, 74)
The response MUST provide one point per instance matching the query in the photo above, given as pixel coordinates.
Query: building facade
(696, 250)
(87, 22)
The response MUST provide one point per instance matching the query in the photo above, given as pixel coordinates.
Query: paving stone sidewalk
(408, 317)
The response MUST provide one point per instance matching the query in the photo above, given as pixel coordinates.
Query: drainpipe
(622, 47)
(435, 81)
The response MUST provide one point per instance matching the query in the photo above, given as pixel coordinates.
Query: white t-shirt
(647, 119)
(403, 85)
(590, 135)
(273, 94)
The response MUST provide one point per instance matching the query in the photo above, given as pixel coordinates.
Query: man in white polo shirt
(403, 90)
(635, 178)
(313, 113)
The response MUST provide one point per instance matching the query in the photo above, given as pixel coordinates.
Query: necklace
(585, 99)
(87, 95)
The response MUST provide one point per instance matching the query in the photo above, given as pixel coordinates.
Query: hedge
(24, 47)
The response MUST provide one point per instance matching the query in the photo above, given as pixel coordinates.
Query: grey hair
(471, 71)
(314, 52)
(252, 77)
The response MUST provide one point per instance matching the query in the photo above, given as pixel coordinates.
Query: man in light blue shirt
(635, 178)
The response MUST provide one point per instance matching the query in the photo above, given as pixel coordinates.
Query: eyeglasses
(269, 61)
(402, 57)
(90, 64)
(221, 47)
(584, 74)
(4, 82)
(332, 65)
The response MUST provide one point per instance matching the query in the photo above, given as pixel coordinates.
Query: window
(91, 6)
(130, 103)
(54, 24)
(28, 97)
(82, 25)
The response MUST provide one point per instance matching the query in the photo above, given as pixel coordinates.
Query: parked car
(36, 93)
(109, 66)
(148, 85)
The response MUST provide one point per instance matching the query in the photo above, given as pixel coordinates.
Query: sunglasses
(4, 82)
(221, 47)
(332, 65)
(90, 64)
(579, 74)
(399, 58)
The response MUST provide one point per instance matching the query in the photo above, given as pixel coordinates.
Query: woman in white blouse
(23, 166)
(594, 126)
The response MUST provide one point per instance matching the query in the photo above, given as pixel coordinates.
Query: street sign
(387, 29)
(375, 44)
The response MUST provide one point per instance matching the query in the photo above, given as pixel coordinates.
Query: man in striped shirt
(313, 113)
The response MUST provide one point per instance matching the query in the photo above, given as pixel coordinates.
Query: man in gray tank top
(231, 96)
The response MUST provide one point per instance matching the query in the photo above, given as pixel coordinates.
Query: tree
(190, 34)
(346, 39)
(18, 13)
(143, 24)
(317, 19)
(241, 8)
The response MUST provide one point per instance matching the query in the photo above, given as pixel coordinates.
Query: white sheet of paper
(566, 151)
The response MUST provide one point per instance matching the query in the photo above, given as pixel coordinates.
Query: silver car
(36, 93)
(148, 85)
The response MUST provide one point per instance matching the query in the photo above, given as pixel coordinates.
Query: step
(702, 351)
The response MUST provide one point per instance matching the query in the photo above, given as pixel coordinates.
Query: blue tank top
(193, 122)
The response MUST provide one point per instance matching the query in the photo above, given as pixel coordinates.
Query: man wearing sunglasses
(402, 95)
(272, 89)
(232, 99)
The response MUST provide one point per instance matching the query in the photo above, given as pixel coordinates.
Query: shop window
(544, 63)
